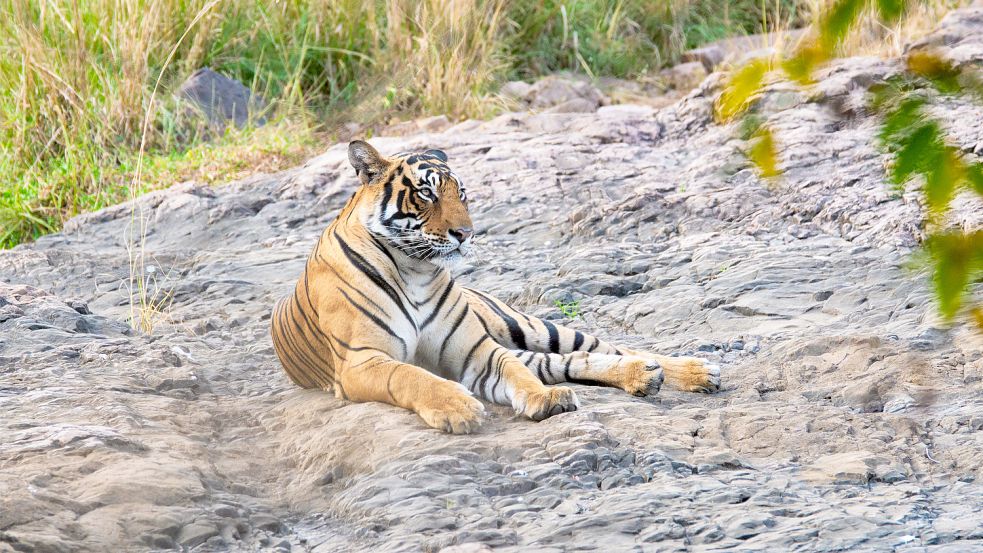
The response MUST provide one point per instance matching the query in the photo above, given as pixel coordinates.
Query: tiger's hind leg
(637, 376)
(516, 330)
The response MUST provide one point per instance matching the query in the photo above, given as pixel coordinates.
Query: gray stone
(516, 90)
(222, 100)
(266, 522)
(684, 76)
(196, 534)
(848, 421)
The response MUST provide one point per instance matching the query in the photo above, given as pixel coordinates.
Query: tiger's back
(300, 343)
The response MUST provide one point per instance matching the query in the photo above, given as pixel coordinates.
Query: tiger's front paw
(640, 377)
(550, 401)
(455, 411)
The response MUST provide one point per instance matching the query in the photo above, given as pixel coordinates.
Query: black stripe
(594, 345)
(349, 284)
(311, 352)
(515, 331)
(566, 368)
(313, 324)
(554, 336)
(362, 265)
(484, 323)
(302, 348)
(382, 247)
(348, 346)
(487, 373)
(440, 303)
(498, 377)
(379, 322)
(387, 192)
(453, 329)
(578, 340)
(389, 382)
(474, 348)
(539, 372)
(297, 356)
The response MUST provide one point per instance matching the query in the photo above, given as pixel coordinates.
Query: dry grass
(872, 37)
(76, 78)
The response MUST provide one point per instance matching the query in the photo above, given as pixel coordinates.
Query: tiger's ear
(366, 160)
(439, 154)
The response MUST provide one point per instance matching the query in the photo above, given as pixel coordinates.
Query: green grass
(570, 309)
(77, 78)
(628, 38)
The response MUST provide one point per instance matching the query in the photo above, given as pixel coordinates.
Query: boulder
(222, 100)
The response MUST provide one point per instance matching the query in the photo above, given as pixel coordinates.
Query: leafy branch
(916, 141)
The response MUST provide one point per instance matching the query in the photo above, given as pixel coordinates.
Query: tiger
(376, 315)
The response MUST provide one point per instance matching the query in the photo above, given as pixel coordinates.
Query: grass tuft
(77, 78)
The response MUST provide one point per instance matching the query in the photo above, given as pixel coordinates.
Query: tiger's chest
(427, 301)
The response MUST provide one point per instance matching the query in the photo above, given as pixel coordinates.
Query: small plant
(570, 309)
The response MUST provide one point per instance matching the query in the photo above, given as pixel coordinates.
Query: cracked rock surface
(849, 419)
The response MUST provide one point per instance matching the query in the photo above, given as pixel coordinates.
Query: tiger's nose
(461, 234)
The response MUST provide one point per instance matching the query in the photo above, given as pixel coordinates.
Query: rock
(849, 418)
(467, 548)
(749, 526)
(899, 403)
(851, 468)
(956, 37)
(575, 105)
(516, 90)
(222, 100)
(436, 123)
(740, 48)
(685, 76)
(562, 93)
(196, 534)
(708, 56)
(266, 522)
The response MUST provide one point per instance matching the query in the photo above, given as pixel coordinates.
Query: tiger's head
(414, 202)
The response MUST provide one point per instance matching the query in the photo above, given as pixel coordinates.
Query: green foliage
(627, 38)
(908, 131)
(764, 152)
(76, 77)
(944, 76)
(837, 21)
(958, 259)
(570, 309)
(891, 10)
(740, 90)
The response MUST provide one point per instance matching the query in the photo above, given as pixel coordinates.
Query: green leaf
(836, 23)
(891, 10)
(764, 153)
(919, 151)
(750, 124)
(902, 121)
(807, 57)
(942, 175)
(974, 176)
(741, 88)
(977, 313)
(943, 75)
(956, 257)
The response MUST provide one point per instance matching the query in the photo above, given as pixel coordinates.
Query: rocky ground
(850, 419)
